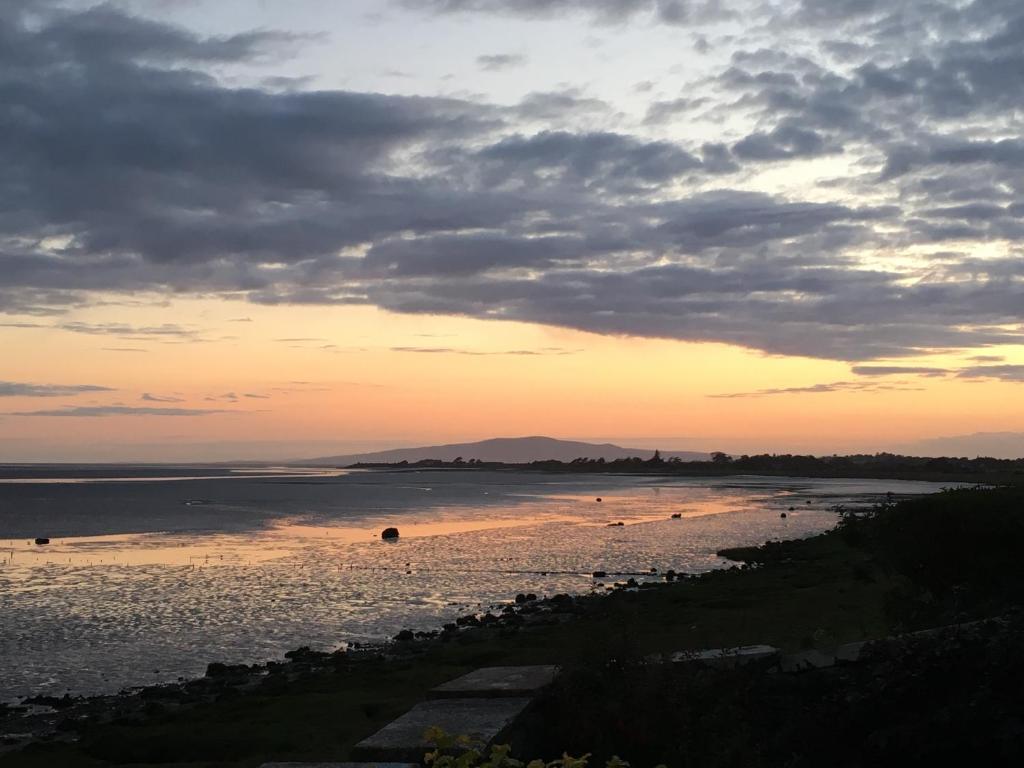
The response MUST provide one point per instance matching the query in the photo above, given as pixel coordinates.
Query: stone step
(498, 682)
(485, 720)
(727, 657)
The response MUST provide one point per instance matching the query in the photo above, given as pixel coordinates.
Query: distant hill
(1000, 445)
(510, 450)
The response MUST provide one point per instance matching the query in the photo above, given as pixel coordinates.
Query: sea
(150, 573)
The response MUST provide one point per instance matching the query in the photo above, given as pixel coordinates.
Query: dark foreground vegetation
(917, 700)
(879, 465)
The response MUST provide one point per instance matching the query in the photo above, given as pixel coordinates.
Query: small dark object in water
(598, 498)
(599, 574)
(677, 515)
(808, 501)
(783, 515)
(389, 533)
(405, 636)
(791, 509)
(42, 540)
(615, 525)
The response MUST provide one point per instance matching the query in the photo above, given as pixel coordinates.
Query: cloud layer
(129, 166)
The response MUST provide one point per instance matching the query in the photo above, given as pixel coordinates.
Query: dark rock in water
(405, 636)
(783, 515)
(670, 575)
(530, 597)
(599, 574)
(306, 654)
(520, 598)
(42, 540)
(632, 582)
(389, 534)
(677, 515)
(217, 669)
(654, 570)
(615, 525)
(598, 498)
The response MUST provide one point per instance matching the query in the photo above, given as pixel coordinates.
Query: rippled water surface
(147, 578)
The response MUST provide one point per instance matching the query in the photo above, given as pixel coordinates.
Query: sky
(250, 229)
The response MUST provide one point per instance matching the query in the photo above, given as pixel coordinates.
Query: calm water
(149, 576)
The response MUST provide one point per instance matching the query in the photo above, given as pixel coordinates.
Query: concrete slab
(484, 720)
(727, 657)
(495, 682)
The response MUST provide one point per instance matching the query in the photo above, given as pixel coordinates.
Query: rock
(598, 498)
(42, 540)
(405, 636)
(783, 515)
(389, 534)
(520, 598)
(615, 525)
(497, 682)
(599, 574)
(677, 515)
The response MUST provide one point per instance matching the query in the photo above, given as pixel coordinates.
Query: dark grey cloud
(98, 411)
(496, 62)
(25, 389)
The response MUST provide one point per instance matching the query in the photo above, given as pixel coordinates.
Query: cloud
(836, 386)
(602, 11)
(500, 61)
(161, 399)
(128, 331)
(22, 389)
(898, 370)
(558, 351)
(97, 411)
(1014, 373)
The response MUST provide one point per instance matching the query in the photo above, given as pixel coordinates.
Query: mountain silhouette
(509, 450)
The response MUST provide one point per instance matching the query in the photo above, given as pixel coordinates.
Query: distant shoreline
(964, 471)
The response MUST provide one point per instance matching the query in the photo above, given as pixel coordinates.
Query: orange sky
(314, 380)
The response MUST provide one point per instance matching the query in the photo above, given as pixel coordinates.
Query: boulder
(389, 534)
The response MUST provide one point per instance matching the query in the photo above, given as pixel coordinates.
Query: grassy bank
(919, 563)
